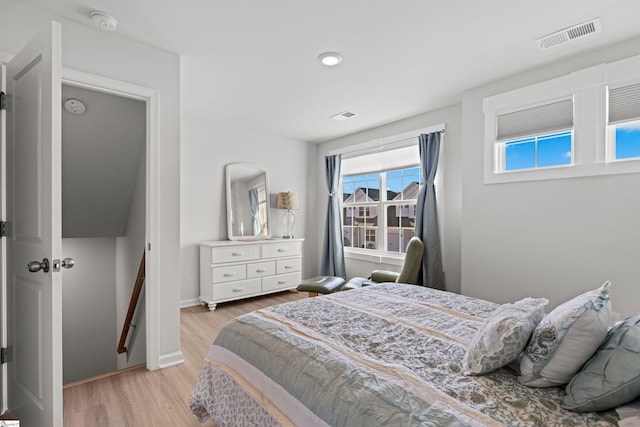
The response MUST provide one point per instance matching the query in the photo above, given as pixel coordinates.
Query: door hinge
(3, 355)
(3, 97)
(3, 228)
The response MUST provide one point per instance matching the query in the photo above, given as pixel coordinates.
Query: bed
(388, 354)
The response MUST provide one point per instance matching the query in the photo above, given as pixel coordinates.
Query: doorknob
(68, 263)
(35, 266)
(65, 263)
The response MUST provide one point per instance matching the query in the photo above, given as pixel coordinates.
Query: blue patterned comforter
(388, 354)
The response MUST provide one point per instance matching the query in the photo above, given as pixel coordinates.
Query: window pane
(554, 150)
(400, 226)
(520, 154)
(403, 184)
(361, 188)
(628, 141)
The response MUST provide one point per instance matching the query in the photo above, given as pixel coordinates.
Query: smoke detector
(75, 106)
(569, 34)
(103, 20)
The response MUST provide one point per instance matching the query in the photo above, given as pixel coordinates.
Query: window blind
(624, 103)
(555, 116)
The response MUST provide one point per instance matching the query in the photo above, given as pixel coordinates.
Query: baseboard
(171, 359)
(190, 302)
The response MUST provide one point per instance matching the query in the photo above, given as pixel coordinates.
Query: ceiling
(252, 63)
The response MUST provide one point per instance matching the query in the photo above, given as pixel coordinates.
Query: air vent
(569, 34)
(343, 116)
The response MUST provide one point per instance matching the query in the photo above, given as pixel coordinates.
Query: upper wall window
(585, 123)
(535, 137)
(623, 130)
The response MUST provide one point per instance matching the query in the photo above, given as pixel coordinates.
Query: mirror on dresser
(247, 202)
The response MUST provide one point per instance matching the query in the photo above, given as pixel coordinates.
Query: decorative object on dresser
(247, 202)
(288, 201)
(231, 270)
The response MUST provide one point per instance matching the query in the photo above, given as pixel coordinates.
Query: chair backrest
(412, 261)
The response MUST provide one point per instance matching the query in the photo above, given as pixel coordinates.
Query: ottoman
(321, 285)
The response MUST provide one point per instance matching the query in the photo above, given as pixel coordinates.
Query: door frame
(151, 97)
(4, 400)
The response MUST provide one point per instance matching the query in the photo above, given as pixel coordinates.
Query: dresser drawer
(228, 273)
(279, 250)
(288, 265)
(236, 289)
(260, 269)
(283, 281)
(235, 253)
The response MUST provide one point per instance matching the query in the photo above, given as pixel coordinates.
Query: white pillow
(503, 336)
(566, 338)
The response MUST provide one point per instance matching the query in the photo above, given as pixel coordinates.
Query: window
(380, 220)
(535, 137)
(623, 131)
(585, 123)
(537, 152)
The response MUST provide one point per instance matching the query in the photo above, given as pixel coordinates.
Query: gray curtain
(333, 250)
(254, 206)
(427, 214)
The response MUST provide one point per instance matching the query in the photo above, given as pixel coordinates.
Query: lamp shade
(287, 201)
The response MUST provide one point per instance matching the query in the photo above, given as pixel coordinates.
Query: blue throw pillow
(612, 376)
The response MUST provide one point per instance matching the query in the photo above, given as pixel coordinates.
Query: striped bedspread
(388, 354)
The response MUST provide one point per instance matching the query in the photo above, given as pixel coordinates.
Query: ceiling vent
(343, 116)
(569, 34)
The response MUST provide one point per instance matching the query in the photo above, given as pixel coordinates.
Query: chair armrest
(380, 276)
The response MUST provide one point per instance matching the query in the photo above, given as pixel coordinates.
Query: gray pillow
(503, 336)
(612, 376)
(566, 338)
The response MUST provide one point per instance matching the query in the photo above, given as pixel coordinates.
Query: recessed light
(103, 20)
(330, 59)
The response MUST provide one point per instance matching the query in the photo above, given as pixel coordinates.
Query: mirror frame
(228, 175)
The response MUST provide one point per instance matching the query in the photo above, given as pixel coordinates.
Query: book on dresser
(234, 269)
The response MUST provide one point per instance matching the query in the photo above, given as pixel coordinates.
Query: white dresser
(231, 270)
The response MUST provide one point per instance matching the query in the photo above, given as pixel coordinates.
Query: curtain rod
(370, 148)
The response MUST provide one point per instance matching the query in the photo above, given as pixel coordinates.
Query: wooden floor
(160, 398)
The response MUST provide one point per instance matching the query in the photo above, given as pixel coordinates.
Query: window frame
(382, 205)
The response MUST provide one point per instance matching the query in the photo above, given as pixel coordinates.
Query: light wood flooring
(140, 398)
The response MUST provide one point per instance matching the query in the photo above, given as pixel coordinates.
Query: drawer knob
(282, 250)
(288, 267)
(237, 289)
(236, 253)
(260, 270)
(229, 274)
(281, 282)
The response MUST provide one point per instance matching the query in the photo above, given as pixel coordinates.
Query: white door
(34, 216)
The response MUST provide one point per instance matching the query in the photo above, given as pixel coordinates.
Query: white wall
(129, 250)
(106, 54)
(452, 197)
(552, 239)
(88, 308)
(206, 147)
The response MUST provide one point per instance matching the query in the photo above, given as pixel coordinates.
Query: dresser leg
(212, 306)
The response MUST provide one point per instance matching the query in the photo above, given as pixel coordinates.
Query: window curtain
(254, 207)
(333, 250)
(427, 214)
